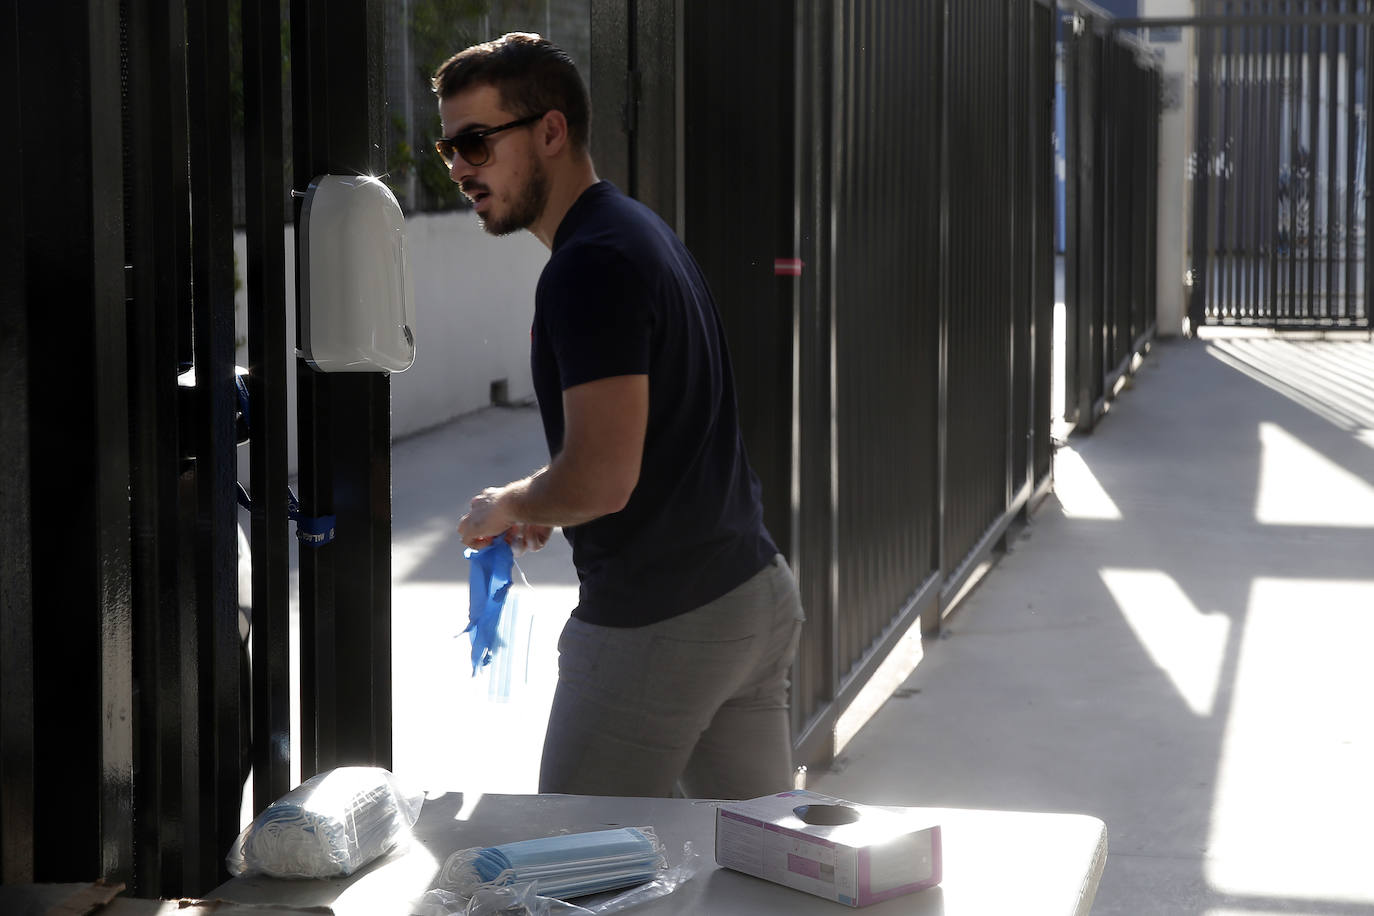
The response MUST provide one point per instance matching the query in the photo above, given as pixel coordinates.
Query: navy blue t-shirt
(621, 295)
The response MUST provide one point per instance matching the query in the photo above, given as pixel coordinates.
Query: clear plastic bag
(329, 826)
(524, 899)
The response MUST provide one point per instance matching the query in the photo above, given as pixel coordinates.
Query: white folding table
(995, 862)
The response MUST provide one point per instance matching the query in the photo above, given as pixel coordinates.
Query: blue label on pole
(313, 532)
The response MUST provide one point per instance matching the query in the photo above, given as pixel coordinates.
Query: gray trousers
(697, 702)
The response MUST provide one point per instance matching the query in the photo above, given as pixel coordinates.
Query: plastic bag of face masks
(570, 865)
(329, 826)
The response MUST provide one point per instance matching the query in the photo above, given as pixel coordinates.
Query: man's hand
(487, 517)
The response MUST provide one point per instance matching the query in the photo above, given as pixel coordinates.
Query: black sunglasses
(472, 144)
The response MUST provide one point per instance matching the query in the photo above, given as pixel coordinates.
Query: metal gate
(870, 199)
(127, 731)
(1112, 121)
(1280, 165)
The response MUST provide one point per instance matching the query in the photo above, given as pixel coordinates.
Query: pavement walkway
(1178, 643)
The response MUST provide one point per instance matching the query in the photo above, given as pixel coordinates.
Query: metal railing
(879, 233)
(129, 726)
(1281, 165)
(1113, 103)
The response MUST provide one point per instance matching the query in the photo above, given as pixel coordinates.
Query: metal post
(344, 419)
(944, 562)
(271, 707)
(81, 602)
(18, 753)
(214, 438)
(158, 252)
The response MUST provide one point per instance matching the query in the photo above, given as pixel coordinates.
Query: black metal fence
(869, 192)
(1113, 102)
(878, 230)
(127, 728)
(1281, 165)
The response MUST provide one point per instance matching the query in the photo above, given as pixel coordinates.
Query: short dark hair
(532, 74)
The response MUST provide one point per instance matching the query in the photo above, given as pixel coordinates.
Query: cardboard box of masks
(853, 854)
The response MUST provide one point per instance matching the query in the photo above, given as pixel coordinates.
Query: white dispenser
(357, 304)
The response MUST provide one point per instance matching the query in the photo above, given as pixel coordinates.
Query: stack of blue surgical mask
(330, 825)
(571, 865)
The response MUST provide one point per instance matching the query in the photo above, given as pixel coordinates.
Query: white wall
(474, 300)
(1175, 145)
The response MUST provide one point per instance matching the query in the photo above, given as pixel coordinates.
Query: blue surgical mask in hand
(566, 866)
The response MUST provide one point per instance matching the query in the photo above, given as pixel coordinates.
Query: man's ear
(552, 133)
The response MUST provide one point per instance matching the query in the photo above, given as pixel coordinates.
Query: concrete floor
(1178, 643)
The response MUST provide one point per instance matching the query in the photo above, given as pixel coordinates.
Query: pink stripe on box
(808, 867)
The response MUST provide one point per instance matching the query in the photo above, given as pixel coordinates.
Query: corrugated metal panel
(883, 376)
(1110, 266)
(979, 284)
(741, 221)
(886, 282)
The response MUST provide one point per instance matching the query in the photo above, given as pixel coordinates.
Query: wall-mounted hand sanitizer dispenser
(357, 308)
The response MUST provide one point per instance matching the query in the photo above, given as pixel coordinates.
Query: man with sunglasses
(673, 669)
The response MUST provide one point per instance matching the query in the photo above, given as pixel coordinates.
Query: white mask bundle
(331, 825)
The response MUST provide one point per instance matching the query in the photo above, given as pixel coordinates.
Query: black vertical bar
(74, 274)
(1313, 105)
(159, 255)
(1046, 233)
(344, 419)
(1293, 40)
(1011, 288)
(837, 123)
(1226, 211)
(944, 563)
(1273, 94)
(1366, 262)
(271, 710)
(1328, 309)
(1260, 183)
(610, 86)
(1348, 42)
(1216, 215)
(1152, 204)
(816, 563)
(213, 434)
(18, 753)
(1253, 161)
(1104, 299)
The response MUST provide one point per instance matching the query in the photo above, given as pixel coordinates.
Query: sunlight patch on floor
(1298, 753)
(1187, 644)
(895, 669)
(1078, 490)
(1299, 485)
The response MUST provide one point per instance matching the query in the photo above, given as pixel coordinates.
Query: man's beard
(527, 206)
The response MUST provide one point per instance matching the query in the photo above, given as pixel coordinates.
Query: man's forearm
(560, 495)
